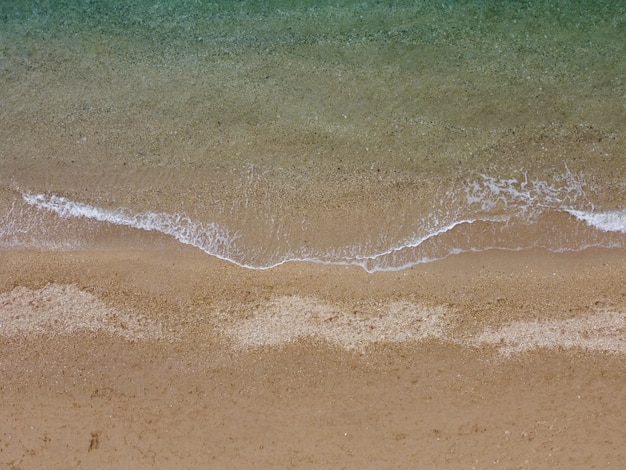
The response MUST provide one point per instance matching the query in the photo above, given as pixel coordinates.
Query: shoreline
(173, 266)
(355, 131)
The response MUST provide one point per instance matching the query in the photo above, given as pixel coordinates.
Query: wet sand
(158, 358)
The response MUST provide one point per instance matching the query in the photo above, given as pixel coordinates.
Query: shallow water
(381, 135)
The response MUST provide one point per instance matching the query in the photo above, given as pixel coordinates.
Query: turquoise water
(380, 134)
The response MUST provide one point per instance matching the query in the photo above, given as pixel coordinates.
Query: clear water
(377, 134)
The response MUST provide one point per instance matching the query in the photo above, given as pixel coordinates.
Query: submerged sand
(168, 358)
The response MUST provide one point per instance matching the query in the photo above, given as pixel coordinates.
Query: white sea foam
(220, 242)
(489, 213)
(22, 226)
(527, 197)
(609, 221)
(212, 238)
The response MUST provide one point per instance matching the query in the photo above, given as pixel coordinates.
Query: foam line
(211, 238)
(609, 221)
(218, 241)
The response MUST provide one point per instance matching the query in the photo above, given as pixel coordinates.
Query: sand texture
(162, 359)
(314, 234)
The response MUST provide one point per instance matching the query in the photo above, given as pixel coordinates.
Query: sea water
(376, 134)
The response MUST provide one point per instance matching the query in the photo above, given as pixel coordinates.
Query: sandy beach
(313, 234)
(146, 359)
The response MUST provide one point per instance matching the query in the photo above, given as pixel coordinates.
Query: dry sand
(170, 359)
